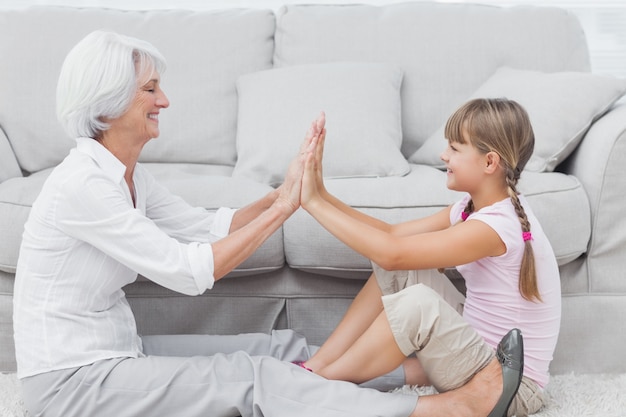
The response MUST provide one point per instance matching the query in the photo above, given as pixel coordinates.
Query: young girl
(493, 238)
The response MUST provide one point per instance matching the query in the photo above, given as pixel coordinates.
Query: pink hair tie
(527, 236)
(464, 215)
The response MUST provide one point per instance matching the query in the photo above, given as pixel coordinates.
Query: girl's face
(465, 166)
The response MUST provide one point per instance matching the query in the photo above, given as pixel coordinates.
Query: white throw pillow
(363, 119)
(561, 107)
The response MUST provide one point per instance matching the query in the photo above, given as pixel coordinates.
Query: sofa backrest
(206, 53)
(446, 50)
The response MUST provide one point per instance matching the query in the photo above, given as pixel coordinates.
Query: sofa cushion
(362, 105)
(198, 127)
(201, 186)
(561, 107)
(9, 167)
(445, 50)
(17, 196)
(552, 196)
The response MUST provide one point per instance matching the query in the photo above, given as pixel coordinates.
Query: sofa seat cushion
(200, 185)
(553, 196)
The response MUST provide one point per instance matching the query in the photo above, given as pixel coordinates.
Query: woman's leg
(221, 385)
(285, 345)
(364, 309)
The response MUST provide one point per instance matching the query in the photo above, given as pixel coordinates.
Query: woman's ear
(492, 160)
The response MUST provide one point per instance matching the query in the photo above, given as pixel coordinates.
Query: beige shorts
(424, 310)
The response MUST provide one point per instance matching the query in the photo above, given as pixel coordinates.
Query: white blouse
(83, 241)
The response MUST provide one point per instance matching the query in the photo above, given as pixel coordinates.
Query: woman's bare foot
(475, 399)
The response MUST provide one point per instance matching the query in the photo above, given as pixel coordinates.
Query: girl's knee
(415, 297)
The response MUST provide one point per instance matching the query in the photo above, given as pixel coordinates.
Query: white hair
(99, 79)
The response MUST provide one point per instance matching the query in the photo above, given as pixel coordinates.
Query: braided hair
(502, 126)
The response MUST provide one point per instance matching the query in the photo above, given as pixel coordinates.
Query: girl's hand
(313, 178)
(312, 181)
(319, 155)
(290, 189)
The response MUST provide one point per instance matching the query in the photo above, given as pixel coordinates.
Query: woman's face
(141, 121)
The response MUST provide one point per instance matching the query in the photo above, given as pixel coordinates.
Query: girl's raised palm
(313, 178)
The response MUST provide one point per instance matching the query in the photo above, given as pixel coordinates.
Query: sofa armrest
(9, 167)
(599, 163)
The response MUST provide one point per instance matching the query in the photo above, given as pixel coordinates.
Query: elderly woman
(101, 219)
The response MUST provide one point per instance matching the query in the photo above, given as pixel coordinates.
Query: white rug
(569, 396)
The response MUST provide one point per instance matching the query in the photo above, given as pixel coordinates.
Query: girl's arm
(437, 221)
(424, 244)
(457, 245)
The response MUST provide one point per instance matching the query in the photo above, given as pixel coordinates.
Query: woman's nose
(163, 101)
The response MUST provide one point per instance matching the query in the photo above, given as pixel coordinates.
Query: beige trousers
(425, 310)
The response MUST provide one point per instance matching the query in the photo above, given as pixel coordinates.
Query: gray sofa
(243, 86)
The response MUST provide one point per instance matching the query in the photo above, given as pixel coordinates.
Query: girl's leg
(364, 309)
(414, 373)
(366, 306)
(474, 399)
(391, 282)
(448, 348)
(462, 366)
(373, 354)
(418, 320)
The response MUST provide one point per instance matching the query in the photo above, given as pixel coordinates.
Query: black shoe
(510, 354)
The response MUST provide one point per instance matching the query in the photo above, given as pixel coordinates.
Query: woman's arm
(235, 248)
(248, 213)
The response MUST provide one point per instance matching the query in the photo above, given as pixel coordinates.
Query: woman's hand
(290, 189)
